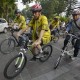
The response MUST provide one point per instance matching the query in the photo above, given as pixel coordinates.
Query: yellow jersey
(40, 24)
(55, 24)
(21, 20)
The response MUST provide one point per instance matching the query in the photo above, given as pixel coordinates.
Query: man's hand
(65, 33)
(37, 42)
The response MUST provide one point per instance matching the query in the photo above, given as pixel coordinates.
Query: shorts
(46, 40)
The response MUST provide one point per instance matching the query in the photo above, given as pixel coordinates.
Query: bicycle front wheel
(58, 62)
(47, 51)
(7, 46)
(12, 69)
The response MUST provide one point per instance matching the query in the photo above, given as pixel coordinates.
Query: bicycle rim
(7, 46)
(47, 51)
(57, 62)
(11, 70)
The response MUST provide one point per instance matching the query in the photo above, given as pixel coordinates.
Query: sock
(41, 51)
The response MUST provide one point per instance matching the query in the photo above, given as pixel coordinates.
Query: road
(68, 69)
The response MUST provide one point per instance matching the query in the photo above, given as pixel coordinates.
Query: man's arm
(69, 25)
(25, 29)
(41, 35)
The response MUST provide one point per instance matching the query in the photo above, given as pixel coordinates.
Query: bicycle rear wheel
(11, 69)
(7, 46)
(47, 51)
(58, 62)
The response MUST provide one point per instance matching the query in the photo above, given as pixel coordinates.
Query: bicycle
(55, 36)
(19, 61)
(66, 52)
(11, 42)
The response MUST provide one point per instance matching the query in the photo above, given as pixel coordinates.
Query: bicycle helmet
(76, 12)
(17, 11)
(57, 17)
(36, 7)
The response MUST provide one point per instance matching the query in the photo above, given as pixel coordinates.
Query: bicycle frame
(67, 52)
(12, 31)
(22, 51)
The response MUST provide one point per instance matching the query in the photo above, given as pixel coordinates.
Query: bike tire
(7, 46)
(58, 62)
(46, 56)
(57, 38)
(19, 70)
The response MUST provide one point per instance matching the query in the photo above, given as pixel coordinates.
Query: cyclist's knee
(67, 37)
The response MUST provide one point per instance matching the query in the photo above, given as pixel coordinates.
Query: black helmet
(17, 11)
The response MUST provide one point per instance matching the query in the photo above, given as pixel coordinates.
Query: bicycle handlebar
(72, 35)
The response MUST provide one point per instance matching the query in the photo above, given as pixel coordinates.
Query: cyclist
(54, 25)
(74, 26)
(20, 20)
(40, 30)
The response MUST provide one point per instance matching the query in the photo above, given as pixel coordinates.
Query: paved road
(68, 70)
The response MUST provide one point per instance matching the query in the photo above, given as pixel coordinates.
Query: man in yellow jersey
(40, 30)
(54, 25)
(20, 20)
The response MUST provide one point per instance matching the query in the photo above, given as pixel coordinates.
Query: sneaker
(33, 59)
(72, 58)
(39, 55)
(63, 54)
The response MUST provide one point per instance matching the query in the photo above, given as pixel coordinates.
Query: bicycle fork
(19, 60)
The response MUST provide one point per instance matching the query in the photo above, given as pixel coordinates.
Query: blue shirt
(69, 25)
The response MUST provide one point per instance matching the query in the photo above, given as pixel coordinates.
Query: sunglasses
(74, 14)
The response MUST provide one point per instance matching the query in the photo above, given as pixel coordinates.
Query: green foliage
(26, 12)
(51, 7)
(7, 8)
(65, 19)
(24, 1)
(71, 5)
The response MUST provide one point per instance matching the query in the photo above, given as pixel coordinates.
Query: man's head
(56, 18)
(76, 14)
(17, 12)
(36, 10)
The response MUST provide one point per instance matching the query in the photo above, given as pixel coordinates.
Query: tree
(55, 7)
(70, 7)
(7, 7)
(26, 12)
(28, 1)
(52, 7)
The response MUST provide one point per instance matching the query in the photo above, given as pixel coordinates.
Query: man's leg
(34, 47)
(66, 41)
(73, 41)
(77, 47)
